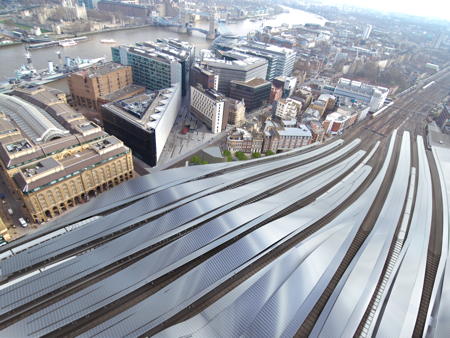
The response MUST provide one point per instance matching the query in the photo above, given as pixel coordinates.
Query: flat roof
(302, 130)
(256, 82)
(144, 110)
(244, 64)
(118, 94)
(100, 70)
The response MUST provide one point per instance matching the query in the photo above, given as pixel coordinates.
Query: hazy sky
(430, 8)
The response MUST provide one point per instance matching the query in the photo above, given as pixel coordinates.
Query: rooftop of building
(151, 50)
(180, 51)
(236, 51)
(256, 82)
(123, 92)
(21, 121)
(269, 47)
(212, 93)
(320, 103)
(243, 64)
(203, 70)
(339, 116)
(325, 97)
(315, 126)
(51, 103)
(34, 122)
(300, 131)
(144, 110)
(100, 70)
(359, 87)
(50, 171)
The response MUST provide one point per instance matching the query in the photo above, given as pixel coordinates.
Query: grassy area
(11, 23)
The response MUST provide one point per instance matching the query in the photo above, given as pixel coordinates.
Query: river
(13, 57)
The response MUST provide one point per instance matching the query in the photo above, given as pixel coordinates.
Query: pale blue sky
(429, 8)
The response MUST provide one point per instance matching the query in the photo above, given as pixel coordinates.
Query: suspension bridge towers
(183, 19)
(213, 19)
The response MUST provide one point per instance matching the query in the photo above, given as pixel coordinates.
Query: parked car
(23, 223)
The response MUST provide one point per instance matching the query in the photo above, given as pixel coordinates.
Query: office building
(209, 107)
(100, 84)
(357, 91)
(158, 65)
(144, 122)
(255, 92)
(55, 158)
(206, 78)
(246, 69)
(280, 60)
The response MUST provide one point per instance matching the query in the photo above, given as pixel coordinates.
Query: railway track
(407, 114)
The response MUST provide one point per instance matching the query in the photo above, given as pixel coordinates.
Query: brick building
(98, 85)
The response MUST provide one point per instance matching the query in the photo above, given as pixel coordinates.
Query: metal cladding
(320, 241)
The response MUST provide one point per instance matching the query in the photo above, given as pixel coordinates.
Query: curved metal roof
(246, 249)
(36, 124)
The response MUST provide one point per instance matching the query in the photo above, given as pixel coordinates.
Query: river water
(13, 57)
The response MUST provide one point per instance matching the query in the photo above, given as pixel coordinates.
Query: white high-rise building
(208, 106)
(367, 32)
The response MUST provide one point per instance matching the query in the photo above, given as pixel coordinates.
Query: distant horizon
(432, 9)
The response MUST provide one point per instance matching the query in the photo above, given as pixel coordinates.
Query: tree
(269, 152)
(226, 153)
(256, 155)
(241, 156)
(196, 160)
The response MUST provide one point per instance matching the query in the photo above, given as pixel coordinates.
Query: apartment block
(287, 108)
